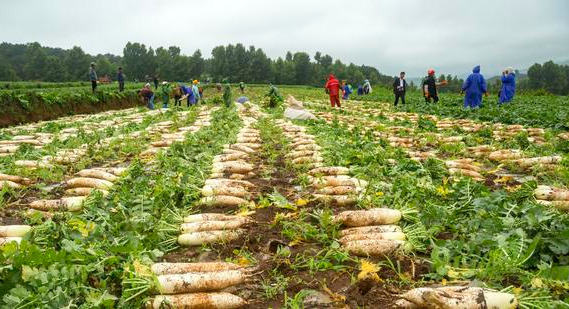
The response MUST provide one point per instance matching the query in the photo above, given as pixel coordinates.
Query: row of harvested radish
(334, 186)
(455, 297)
(208, 228)
(78, 188)
(10, 233)
(167, 138)
(304, 151)
(372, 232)
(70, 156)
(198, 285)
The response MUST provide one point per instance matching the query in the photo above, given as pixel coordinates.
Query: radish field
(370, 206)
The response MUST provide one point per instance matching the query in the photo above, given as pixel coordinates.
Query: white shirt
(401, 82)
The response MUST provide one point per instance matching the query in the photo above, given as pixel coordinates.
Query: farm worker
(165, 94)
(367, 87)
(155, 80)
(333, 89)
(148, 96)
(360, 90)
(242, 87)
(93, 77)
(508, 89)
(227, 96)
(430, 87)
(399, 88)
(188, 95)
(120, 79)
(177, 93)
(218, 87)
(474, 87)
(347, 90)
(196, 91)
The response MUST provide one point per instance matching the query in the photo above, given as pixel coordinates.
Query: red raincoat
(333, 85)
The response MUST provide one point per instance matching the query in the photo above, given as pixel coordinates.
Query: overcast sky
(411, 35)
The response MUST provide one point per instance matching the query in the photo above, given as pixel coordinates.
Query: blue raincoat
(508, 88)
(474, 87)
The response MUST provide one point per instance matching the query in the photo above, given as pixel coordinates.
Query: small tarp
(242, 100)
(295, 110)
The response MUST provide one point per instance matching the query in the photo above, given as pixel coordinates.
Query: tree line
(231, 63)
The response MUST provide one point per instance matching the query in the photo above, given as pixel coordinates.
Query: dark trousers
(399, 95)
(177, 101)
(434, 97)
(121, 86)
(93, 85)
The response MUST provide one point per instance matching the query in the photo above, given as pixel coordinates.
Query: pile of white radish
(404, 142)
(551, 196)
(15, 182)
(456, 297)
(10, 233)
(305, 151)
(78, 188)
(167, 138)
(371, 232)
(207, 228)
(420, 155)
(198, 285)
(535, 135)
(479, 151)
(333, 185)
(543, 163)
(464, 167)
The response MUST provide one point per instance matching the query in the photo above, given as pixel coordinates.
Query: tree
(54, 70)
(302, 68)
(218, 63)
(7, 73)
(197, 65)
(76, 63)
(138, 61)
(36, 61)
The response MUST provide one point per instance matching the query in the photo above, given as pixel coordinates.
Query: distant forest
(231, 63)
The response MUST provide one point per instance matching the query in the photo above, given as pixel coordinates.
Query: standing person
(218, 87)
(399, 88)
(367, 87)
(508, 89)
(474, 86)
(227, 97)
(333, 89)
(177, 93)
(347, 90)
(196, 91)
(165, 94)
(430, 87)
(360, 90)
(155, 80)
(120, 79)
(242, 87)
(148, 96)
(93, 77)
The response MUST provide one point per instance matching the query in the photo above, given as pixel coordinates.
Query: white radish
(235, 190)
(217, 300)
(211, 226)
(223, 200)
(84, 182)
(84, 191)
(14, 230)
(6, 240)
(92, 173)
(373, 236)
(339, 190)
(33, 164)
(232, 167)
(208, 237)
(339, 200)
(458, 297)
(212, 217)
(330, 170)
(182, 268)
(308, 159)
(371, 229)
(374, 216)
(16, 179)
(372, 247)
(9, 184)
(229, 182)
(66, 203)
